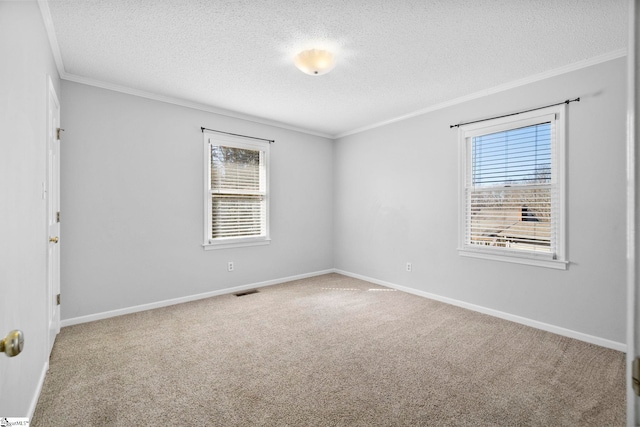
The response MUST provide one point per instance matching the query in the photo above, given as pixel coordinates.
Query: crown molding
(501, 88)
(64, 75)
(189, 104)
(55, 48)
(51, 33)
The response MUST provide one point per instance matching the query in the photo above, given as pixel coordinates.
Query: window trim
(209, 139)
(558, 167)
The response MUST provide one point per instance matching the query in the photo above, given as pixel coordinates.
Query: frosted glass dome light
(315, 62)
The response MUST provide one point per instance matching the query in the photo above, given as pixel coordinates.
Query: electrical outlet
(230, 266)
(408, 268)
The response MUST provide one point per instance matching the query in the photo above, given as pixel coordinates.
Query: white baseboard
(165, 303)
(491, 312)
(36, 395)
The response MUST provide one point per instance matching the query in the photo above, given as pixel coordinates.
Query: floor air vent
(243, 293)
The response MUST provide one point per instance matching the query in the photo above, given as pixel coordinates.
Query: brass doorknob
(53, 239)
(12, 344)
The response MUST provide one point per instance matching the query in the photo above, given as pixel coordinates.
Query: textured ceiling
(394, 57)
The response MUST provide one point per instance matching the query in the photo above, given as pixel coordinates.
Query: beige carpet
(326, 351)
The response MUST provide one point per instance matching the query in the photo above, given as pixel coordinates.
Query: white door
(53, 215)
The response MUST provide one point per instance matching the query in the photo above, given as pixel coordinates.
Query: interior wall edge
(38, 390)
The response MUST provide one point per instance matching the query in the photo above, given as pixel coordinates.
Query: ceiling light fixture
(315, 62)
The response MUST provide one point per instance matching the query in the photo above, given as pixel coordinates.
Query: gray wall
(132, 204)
(25, 64)
(396, 200)
(364, 204)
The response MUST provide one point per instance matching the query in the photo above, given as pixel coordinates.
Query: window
(236, 192)
(512, 189)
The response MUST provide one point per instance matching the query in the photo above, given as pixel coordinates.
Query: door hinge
(58, 299)
(58, 216)
(58, 130)
(635, 375)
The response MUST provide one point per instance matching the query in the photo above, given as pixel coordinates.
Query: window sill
(238, 244)
(515, 258)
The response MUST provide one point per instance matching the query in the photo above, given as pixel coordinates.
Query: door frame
(633, 210)
(52, 191)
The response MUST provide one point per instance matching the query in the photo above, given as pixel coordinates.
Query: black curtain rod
(270, 141)
(513, 114)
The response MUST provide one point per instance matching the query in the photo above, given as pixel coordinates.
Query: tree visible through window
(237, 191)
(236, 196)
(510, 194)
(512, 187)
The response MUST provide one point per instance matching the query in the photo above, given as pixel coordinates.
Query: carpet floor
(326, 351)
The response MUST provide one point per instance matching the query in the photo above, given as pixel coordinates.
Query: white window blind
(237, 191)
(512, 198)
